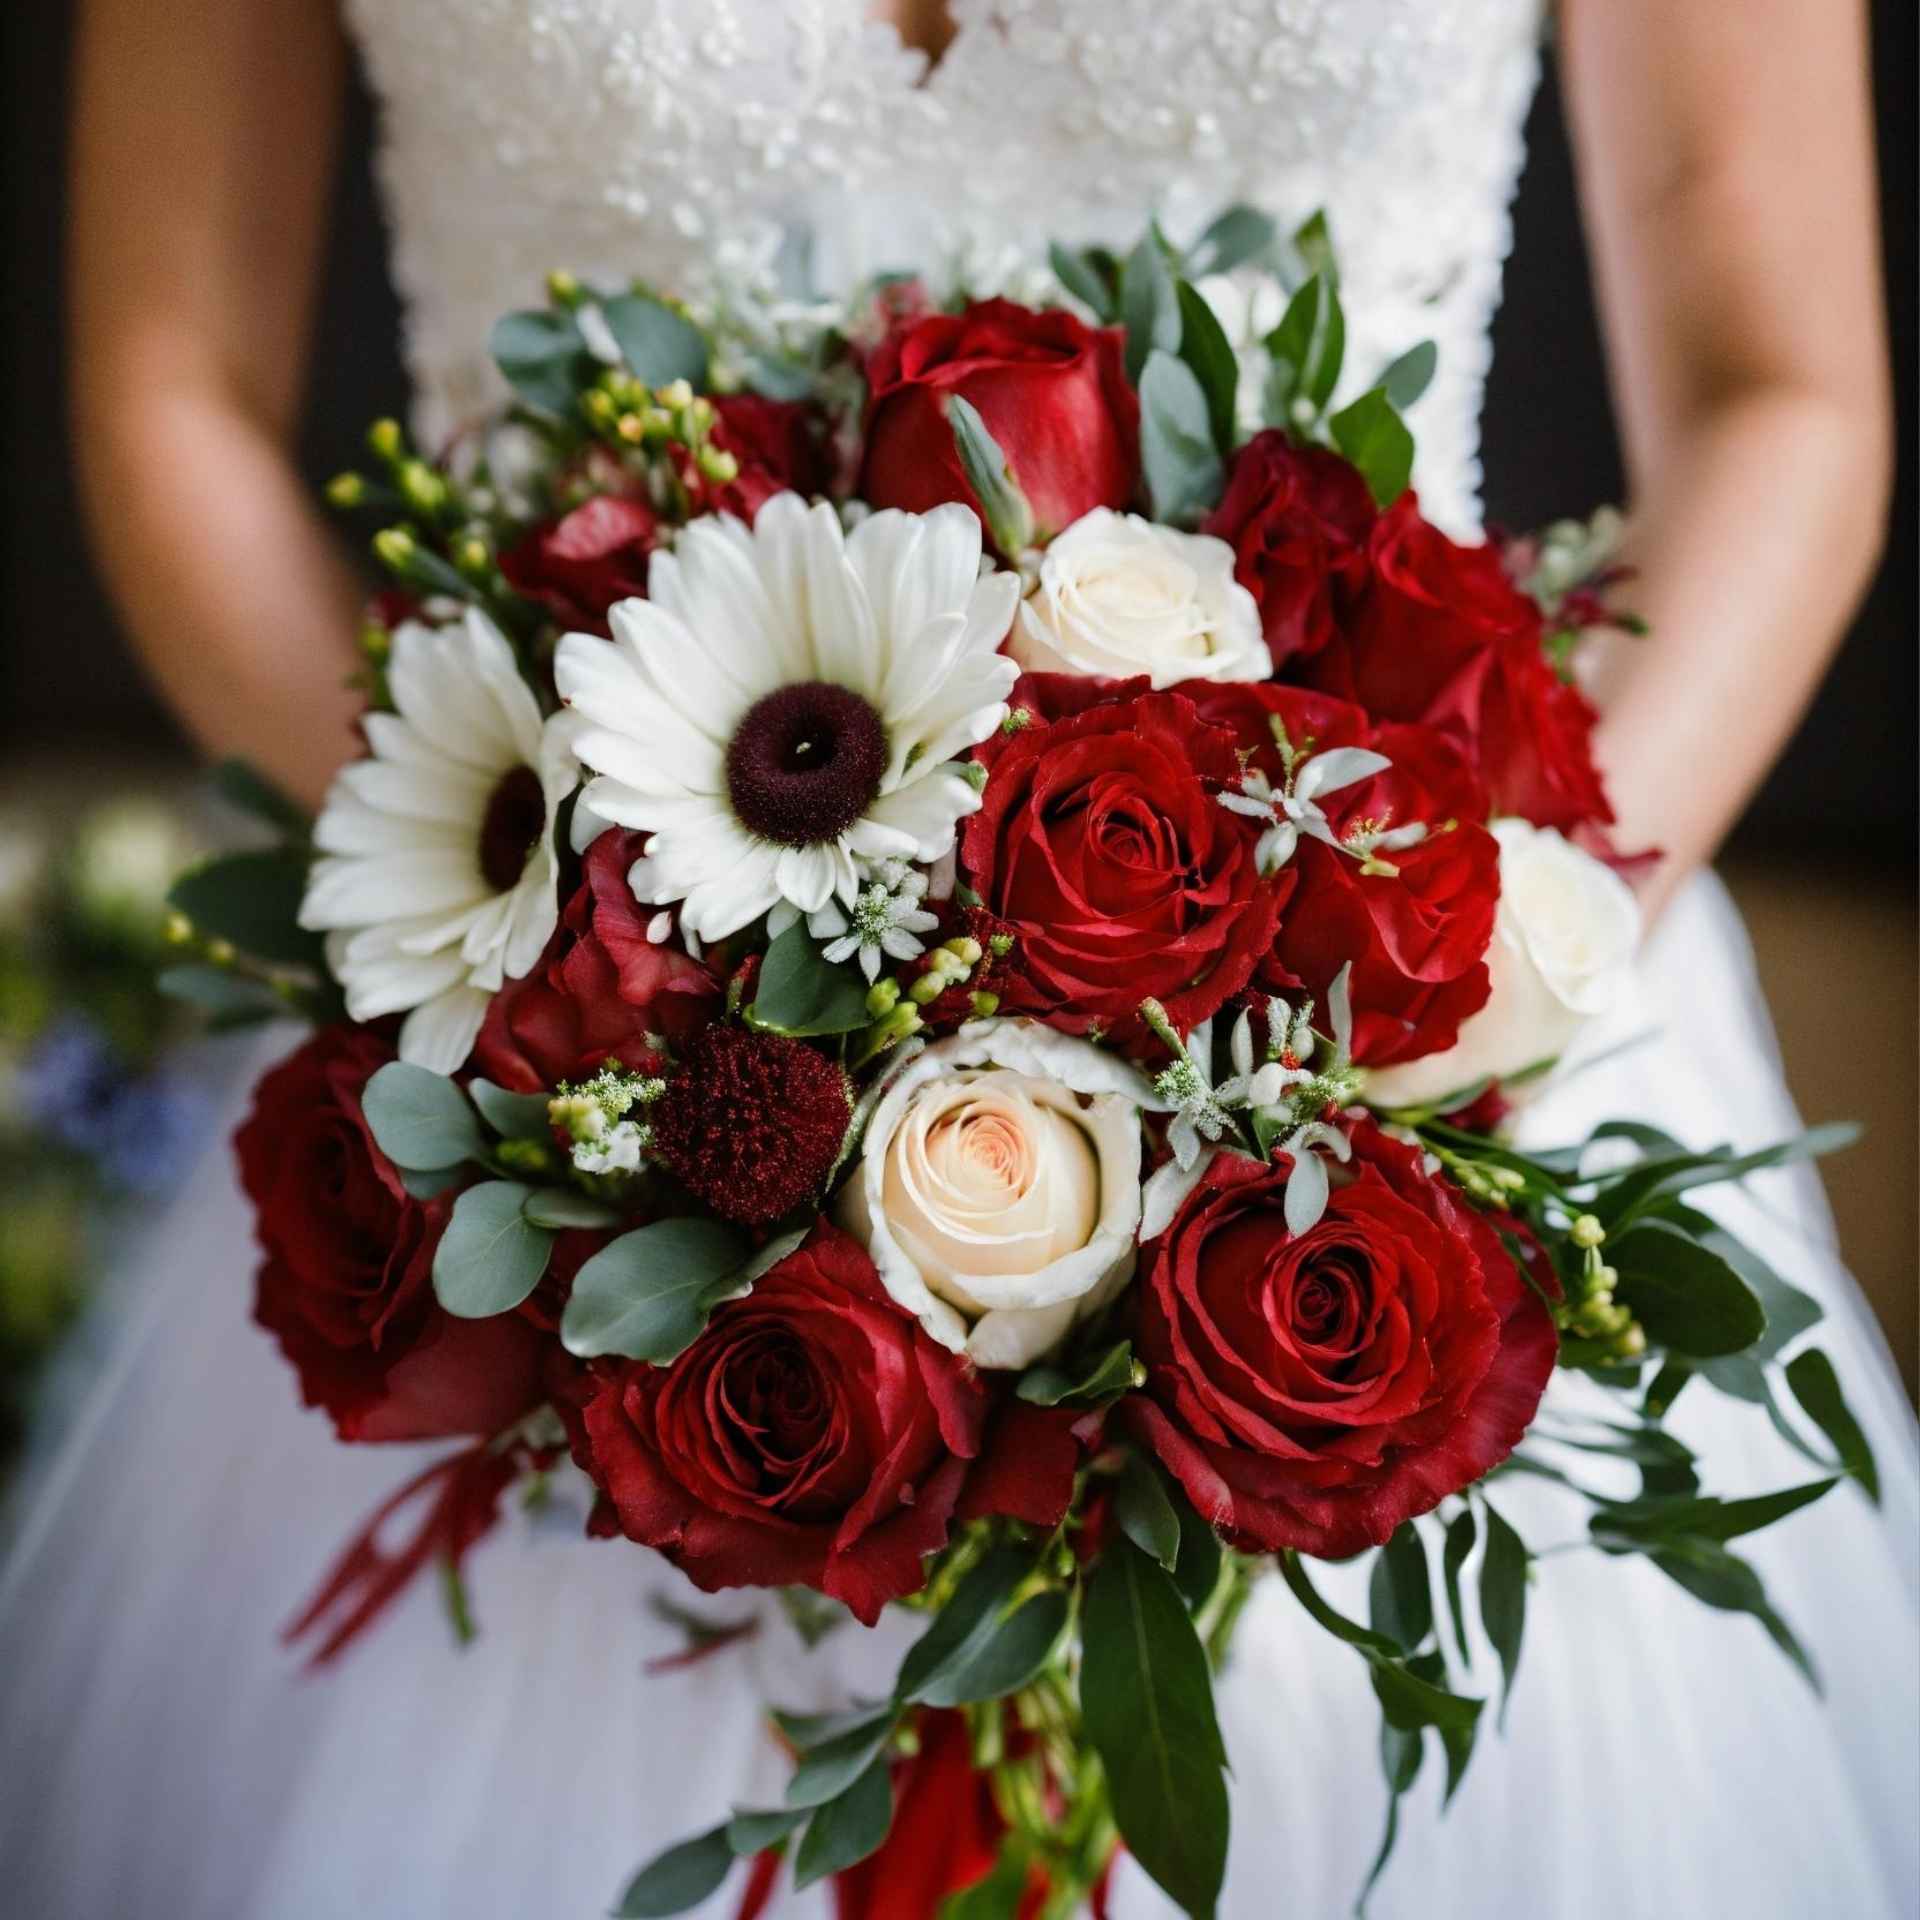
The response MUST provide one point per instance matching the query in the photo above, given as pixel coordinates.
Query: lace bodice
(680, 139)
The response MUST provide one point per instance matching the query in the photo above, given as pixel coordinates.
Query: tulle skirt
(164, 1757)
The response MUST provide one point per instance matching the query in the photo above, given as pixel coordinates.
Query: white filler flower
(789, 697)
(1119, 596)
(437, 877)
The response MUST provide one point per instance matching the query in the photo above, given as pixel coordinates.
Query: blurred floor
(1837, 960)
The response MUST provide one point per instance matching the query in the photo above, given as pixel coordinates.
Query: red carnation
(598, 991)
(1440, 635)
(1052, 391)
(1297, 519)
(1314, 1391)
(578, 565)
(815, 1435)
(1101, 843)
(347, 1283)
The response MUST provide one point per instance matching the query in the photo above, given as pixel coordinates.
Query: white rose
(998, 1189)
(1120, 596)
(1563, 945)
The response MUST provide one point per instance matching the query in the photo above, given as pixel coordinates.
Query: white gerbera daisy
(438, 878)
(791, 697)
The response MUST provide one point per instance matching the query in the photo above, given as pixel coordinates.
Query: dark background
(1823, 864)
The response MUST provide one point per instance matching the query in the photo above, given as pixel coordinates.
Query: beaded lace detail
(684, 139)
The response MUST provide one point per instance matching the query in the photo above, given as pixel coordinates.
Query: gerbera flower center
(511, 827)
(806, 763)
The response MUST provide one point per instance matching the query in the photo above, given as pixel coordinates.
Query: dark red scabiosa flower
(1440, 635)
(1102, 845)
(815, 1435)
(1314, 1391)
(602, 986)
(751, 1123)
(346, 1285)
(1297, 519)
(579, 565)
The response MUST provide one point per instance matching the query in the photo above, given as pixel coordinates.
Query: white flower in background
(438, 879)
(998, 1189)
(1120, 596)
(1562, 952)
(790, 699)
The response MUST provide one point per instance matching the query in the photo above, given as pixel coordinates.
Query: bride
(165, 1755)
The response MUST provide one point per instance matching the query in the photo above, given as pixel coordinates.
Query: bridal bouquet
(924, 971)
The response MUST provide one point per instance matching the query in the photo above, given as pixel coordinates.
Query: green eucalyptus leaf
(1453, 1559)
(1621, 1200)
(678, 1879)
(964, 1624)
(754, 1829)
(1237, 235)
(228, 998)
(428, 1183)
(827, 1770)
(1374, 437)
(1093, 1382)
(1503, 1600)
(242, 785)
(657, 343)
(1011, 1655)
(1307, 349)
(800, 992)
(847, 1829)
(544, 357)
(1149, 305)
(1145, 1514)
(648, 1294)
(1400, 1598)
(1081, 278)
(1689, 1300)
(810, 1730)
(1720, 1578)
(252, 900)
(1816, 1387)
(561, 1208)
(1640, 1526)
(419, 1118)
(1183, 467)
(1205, 348)
(1004, 508)
(1409, 377)
(1146, 1699)
(513, 1116)
(491, 1256)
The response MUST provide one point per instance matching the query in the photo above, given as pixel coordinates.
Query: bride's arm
(204, 134)
(1726, 167)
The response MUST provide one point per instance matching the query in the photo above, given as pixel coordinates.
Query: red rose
(1102, 844)
(814, 1435)
(1439, 634)
(1315, 1392)
(779, 447)
(1297, 519)
(347, 1283)
(1052, 391)
(599, 989)
(578, 565)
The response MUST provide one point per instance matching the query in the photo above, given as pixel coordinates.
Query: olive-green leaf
(1182, 465)
(252, 900)
(1689, 1300)
(544, 358)
(491, 1256)
(514, 1116)
(1719, 1578)
(1237, 235)
(680, 1878)
(1093, 1382)
(1374, 437)
(826, 1771)
(1817, 1388)
(1145, 1513)
(657, 343)
(965, 1623)
(1004, 508)
(1082, 279)
(1503, 1600)
(563, 1207)
(647, 1295)
(1149, 306)
(801, 992)
(1409, 376)
(1205, 348)
(847, 1829)
(1400, 1598)
(1011, 1655)
(419, 1118)
(754, 1829)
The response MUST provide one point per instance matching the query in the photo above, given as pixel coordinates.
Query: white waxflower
(1120, 596)
(1293, 808)
(790, 699)
(885, 920)
(437, 877)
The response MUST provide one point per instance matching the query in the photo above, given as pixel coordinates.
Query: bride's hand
(1726, 163)
(203, 147)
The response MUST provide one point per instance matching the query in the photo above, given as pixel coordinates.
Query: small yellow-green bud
(1633, 1343)
(719, 466)
(386, 440)
(376, 643)
(882, 997)
(220, 953)
(985, 1005)
(525, 1156)
(178, 930)
(472, 555)
(1509, 1177)
(1000, 945)
(563, 289)
(346, 490)
(1606, 1278)
(675, 394)
(599, 407)
(1586, 1232)
(965, 949)
(423, 489)
(929, 987)
(631, 428)
(395, 546)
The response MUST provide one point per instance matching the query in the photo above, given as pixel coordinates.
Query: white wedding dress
(166, 1759)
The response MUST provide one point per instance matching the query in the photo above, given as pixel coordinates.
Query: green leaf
(1376, 440)
(1146, 1699)
(1313, 242)
(1306, 349)
(965, 1623)
(428, 1183)
(1790, 1312)
(657, 343)
(544, 358)
(845, 1831)
(647, 1295)
(563, 1207)
(1092, 1383)
(1000, 1895)
(1239, 234)
(1149, 306)
(809, 1730)
(754, 1829)
(491, 1256)
(1183, 468)
(1640, 1526)
(828, 1770)
(1410, 1701)
(1009, 1657)
(1145, 1514)
(242, 785)
(1205, 348)
(1003, 507)
(514, 1116)
(1409, 376)
(1816, 1387)
(1197, 1572)
(680, 1878)
(1324, 1616)
(419, 1118)
(1503, 1600)
(229, 999)
(1400, 1598)
(1686, 1297)
(1720, 1578)
(253, 900)
(1401, 1752)
(800, 992)
(1620, 1201)
(1453, 1560)
(1083, 280)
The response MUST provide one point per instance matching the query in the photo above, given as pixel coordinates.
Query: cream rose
(998, 1189)
(1119, 596)
(1563, 946)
